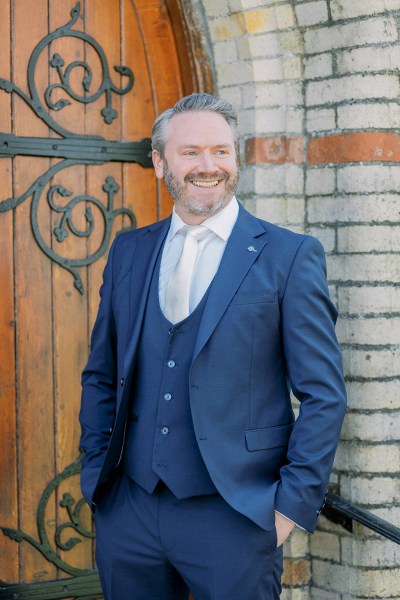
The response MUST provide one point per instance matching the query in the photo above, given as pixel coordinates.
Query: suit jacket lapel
(242, 249)
(148, 248)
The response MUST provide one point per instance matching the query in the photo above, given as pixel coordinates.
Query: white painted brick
(280, 210)
(216, 8)
(321, 119)
(233, 94)
(274, 94)
(371, 115)
(292, 68)
(370, 364)
(282, 179)
(270, 44)
(311, 13)
(298, 544)
(372, 208)
(327, 237)
(391, 514)
(343, 9)
(295, 594)
(246, 182)
(275, 69)
(366, 491)
(370, 583)
(370, 553)
(372, 331)
(373, 458)
(239, 5)
(319, 65)
(234, 73)
(325, 545)
(364, 267)
(320, 181)
(365, 300)
(319, 594)
(375, 395)
(353, 87)
(372, 31)
(373, 427)
(371, 178)
(225, 52)
(268, 69)
(271, 121)
(294, 121)
(369, 59)
(366, 238)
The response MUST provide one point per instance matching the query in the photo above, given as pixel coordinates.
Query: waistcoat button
(167, 397)
(164, 430)
(171, 364)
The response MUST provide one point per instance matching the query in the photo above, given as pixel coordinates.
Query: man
(193, 465)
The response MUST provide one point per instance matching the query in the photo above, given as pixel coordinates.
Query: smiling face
(200, 164)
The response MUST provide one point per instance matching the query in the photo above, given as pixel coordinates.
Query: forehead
(202, 128)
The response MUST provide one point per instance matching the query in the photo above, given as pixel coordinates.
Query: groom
(194, 464)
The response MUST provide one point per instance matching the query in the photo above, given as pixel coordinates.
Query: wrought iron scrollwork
(73, 509)
(72, 147)
(106, 86)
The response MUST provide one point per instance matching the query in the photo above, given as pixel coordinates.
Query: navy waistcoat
(160, 440)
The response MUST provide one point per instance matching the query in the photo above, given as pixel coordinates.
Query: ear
(158, 163)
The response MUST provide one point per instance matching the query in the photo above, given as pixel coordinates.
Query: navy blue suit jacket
(268, 327)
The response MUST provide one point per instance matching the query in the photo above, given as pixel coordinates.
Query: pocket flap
(254, 297)
(268, 437)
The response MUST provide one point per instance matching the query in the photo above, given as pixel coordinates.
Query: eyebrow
(226, 145)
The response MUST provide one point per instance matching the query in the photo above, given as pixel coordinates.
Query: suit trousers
(156, 547)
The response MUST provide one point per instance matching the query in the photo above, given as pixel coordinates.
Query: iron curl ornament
(71, 147)
(47, 547)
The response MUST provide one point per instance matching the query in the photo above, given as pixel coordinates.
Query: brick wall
(316, 83)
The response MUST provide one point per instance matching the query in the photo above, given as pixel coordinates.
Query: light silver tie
(177, 293)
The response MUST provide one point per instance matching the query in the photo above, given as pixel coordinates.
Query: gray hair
(193, 102)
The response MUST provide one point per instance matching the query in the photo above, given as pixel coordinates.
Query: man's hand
(283, 527)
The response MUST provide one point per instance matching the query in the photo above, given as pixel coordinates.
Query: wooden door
(80, 85)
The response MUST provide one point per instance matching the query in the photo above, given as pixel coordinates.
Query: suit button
(122, 381)
(164, 430)
(171, 364)
(167, 397)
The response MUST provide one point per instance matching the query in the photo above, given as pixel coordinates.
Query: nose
(206, 163)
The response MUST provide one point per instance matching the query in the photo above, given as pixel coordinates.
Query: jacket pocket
(268, 437)
(254, 297)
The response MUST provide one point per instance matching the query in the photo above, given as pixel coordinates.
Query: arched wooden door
(80, 85)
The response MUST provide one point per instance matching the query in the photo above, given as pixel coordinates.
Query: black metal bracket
(78, 148)
(343, 513)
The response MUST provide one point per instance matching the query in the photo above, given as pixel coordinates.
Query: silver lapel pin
(251, 249)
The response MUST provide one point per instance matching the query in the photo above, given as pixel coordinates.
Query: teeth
(205, 183)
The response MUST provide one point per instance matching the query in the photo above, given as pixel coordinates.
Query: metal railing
(345, 513)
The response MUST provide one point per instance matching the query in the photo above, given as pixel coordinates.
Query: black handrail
(342, 512)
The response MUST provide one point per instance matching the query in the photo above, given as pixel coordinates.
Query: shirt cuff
(291, 520)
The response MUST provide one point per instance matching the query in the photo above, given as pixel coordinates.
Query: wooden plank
(139, 184)
(33, 304)
(103, 22)
(9, 556)
(70, 307)
(163, 61)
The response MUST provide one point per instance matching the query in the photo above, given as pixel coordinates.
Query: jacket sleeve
(314, 367)
(98, 405)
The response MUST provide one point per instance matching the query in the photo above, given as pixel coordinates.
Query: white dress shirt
(211, 249)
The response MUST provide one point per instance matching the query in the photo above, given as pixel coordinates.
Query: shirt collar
(221, 223)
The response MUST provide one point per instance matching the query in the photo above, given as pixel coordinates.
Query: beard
(183, 196)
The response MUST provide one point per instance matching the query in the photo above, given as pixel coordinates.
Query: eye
(221, 152)
(189, 153)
